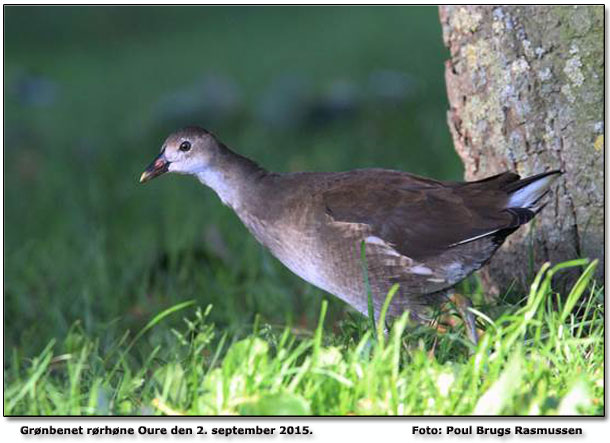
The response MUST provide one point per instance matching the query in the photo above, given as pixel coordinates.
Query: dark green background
(90, 94)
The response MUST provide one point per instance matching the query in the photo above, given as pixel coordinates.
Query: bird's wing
(421, 218)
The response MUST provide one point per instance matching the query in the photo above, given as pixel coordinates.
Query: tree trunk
(526, 93)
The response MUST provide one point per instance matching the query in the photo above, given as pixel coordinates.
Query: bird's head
(189, 150)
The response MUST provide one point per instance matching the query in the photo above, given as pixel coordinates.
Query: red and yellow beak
(159, 166)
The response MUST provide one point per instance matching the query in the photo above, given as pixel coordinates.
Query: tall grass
(544, 356)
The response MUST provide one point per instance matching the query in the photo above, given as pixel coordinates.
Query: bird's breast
(300, 247)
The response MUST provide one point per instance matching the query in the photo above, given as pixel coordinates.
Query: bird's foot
(463, 305)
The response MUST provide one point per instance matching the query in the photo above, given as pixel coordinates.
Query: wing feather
(419, 217)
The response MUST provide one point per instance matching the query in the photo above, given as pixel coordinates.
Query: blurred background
(91, 93)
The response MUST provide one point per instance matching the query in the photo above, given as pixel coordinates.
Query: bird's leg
(462, 305)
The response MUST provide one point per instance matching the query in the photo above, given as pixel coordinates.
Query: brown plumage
(424, 234)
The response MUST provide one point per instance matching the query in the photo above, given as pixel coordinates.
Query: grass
(542, 356)
(107, 283)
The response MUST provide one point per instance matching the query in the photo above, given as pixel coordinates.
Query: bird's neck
(233, 177)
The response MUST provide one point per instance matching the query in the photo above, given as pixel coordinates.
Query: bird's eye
(185, 146)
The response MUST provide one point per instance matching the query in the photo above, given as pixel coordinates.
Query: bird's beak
(159, 166)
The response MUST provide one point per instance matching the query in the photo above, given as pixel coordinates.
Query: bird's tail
(528, 193)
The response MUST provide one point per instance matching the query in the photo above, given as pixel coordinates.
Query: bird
(336, 230)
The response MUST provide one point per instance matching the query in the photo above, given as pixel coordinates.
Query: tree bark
(526, 93)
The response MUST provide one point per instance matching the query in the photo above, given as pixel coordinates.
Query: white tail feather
(528, 196)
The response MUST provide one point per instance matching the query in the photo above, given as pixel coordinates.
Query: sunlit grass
(544, 356)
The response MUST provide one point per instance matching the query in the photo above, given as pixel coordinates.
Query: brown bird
(424, 234)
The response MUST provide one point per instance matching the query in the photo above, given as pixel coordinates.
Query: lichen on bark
(525, 88)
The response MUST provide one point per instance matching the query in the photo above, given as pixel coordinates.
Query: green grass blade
(384, 311)
(156, 319)
(578, 289)
(42, 363)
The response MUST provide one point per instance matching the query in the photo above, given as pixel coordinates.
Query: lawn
(128, 299)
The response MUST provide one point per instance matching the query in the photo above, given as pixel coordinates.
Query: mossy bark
(526, 93)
